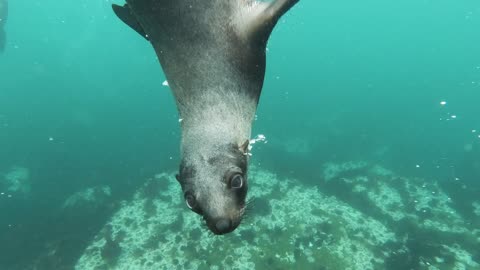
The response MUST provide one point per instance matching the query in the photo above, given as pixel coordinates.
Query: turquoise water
(82, 105)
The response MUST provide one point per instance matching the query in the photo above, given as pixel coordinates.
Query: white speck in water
(50, 138)
(9, 196)
(454, 116)
(170, 158)
(443, 103)
(474, 130)
(259, 138)
(180, 120)
(2, 193)
(165, 83)
(417, 166)
(457, 179)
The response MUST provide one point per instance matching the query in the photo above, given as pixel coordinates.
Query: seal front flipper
(126, 15)
(265, 17)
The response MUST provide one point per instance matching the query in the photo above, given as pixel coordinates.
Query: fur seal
(3, 21)
(213, 56)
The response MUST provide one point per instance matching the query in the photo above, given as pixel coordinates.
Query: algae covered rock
(16, 182)
(291, 226)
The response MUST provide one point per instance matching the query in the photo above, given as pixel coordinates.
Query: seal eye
(190, 200)
(236, 181)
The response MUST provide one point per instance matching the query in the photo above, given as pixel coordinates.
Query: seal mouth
(222, 225)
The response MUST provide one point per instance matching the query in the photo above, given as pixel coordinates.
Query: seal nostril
(223, 225)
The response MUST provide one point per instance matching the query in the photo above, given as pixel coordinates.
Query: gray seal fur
(213, 56)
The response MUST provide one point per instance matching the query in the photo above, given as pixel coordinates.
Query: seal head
(220, 201)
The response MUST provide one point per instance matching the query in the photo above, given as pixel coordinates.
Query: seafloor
(359, 216)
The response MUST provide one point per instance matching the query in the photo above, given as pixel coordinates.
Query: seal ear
(244, 147)
(265, 17)
(125, 14)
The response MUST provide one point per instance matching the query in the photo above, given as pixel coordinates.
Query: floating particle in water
(474, 130)
(453, 116)
(443, 103)
(50, 138)
(180, 120)
(165, 83)
(259, 138)
(417, 166)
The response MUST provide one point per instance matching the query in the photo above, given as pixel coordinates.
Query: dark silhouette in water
(3, 21)
(213, 55)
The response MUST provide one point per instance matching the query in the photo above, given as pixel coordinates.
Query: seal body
(213, 55)
(3, 21)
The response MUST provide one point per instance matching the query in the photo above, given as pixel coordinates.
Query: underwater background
(371, 114)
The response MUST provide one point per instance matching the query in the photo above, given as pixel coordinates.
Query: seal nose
(223, 225)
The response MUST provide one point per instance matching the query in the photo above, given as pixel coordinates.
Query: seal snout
(221, 225)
